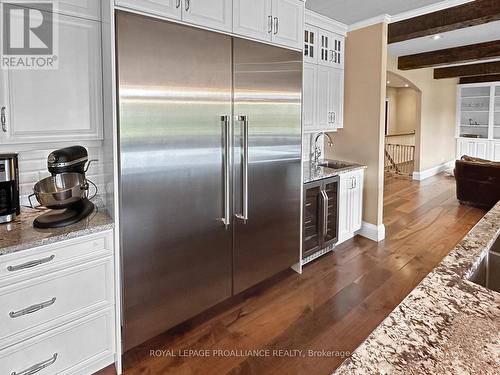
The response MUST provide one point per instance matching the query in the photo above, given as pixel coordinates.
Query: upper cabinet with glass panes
(478, 114)
(323, 47)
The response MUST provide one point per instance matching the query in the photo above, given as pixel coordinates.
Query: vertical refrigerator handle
(325, 213)
(244, 170)
(226, 125)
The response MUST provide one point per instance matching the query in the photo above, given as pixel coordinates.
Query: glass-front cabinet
(478, 120)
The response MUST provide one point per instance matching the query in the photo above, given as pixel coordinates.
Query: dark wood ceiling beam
(458, 17)
(468, 70)
(449, 56)
(480, 79)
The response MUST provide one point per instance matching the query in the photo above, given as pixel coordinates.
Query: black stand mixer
(66, 191)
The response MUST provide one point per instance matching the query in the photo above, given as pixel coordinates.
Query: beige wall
(392, 97)
(362, 138)
(407, 116)
(435, 142)
(403, 109)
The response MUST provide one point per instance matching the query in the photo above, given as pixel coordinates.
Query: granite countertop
(21, 235)
(314, 172)
(446, 325)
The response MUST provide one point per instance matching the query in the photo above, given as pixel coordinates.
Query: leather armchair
(478, 181)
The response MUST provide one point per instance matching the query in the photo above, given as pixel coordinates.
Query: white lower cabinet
(478, 148)
(350, 204)
(83, 347)
(57, 307)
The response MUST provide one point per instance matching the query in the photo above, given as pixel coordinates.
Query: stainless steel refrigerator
(210, 147)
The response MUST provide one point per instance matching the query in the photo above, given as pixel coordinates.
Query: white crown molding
(383, 18)
(428, 9)
(318, 20)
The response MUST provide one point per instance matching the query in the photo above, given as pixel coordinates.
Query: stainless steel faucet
(317, 149)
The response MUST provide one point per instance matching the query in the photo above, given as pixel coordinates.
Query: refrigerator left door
(174, 89)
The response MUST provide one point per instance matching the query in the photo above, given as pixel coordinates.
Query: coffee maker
(65, 192)
(9, 188)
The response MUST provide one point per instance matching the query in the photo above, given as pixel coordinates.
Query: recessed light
(407, 85)
(436, 37)
(388, 82)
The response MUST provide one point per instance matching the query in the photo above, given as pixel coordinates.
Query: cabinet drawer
(71, 349)
(37, 304)
(43, 258)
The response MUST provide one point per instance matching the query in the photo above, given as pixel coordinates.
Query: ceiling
(471, 35)
(353, 11)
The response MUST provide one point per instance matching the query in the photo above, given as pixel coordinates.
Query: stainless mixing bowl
(62, 190)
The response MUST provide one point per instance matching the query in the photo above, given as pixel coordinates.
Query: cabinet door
(309, 108)
(466, 147)
(253, 18)
(65, 103)
(356, 201)
(495, 151)
(323, 100)
(311, 44)
(331, 191)
(165, 8)
(312, 221)
(90, 9)
(288, 23)
(215, 14)
(325, 47)
(336, 96)
(482, 149)
(337, 51)
(344, 204)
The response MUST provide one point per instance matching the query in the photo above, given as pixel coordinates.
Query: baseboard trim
(419, 176)
(371, 231)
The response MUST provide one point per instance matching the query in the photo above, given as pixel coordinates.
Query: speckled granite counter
(20, 234)
(446, 325)
(315, 173)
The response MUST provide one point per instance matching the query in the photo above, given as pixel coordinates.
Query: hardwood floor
(334, 305)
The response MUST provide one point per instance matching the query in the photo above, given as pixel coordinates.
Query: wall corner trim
(371, 231)
(422, 175)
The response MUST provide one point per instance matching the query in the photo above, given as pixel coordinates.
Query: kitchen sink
(488, 272)
(334, 164)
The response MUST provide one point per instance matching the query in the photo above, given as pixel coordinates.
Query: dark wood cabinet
(320, 225)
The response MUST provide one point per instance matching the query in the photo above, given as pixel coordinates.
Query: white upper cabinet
(309, 87)
(60, 104)
(323, 98)
(288, 23)
(336, 97)
(253, 18)
(90, 9)
(331, 47)
(311, 44)
(215, 14)
(165, 8)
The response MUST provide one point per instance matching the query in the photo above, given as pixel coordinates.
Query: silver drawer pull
(33, 263)
(32, 309)
(38, 367)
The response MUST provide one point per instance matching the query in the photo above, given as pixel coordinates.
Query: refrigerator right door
(267, 161)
